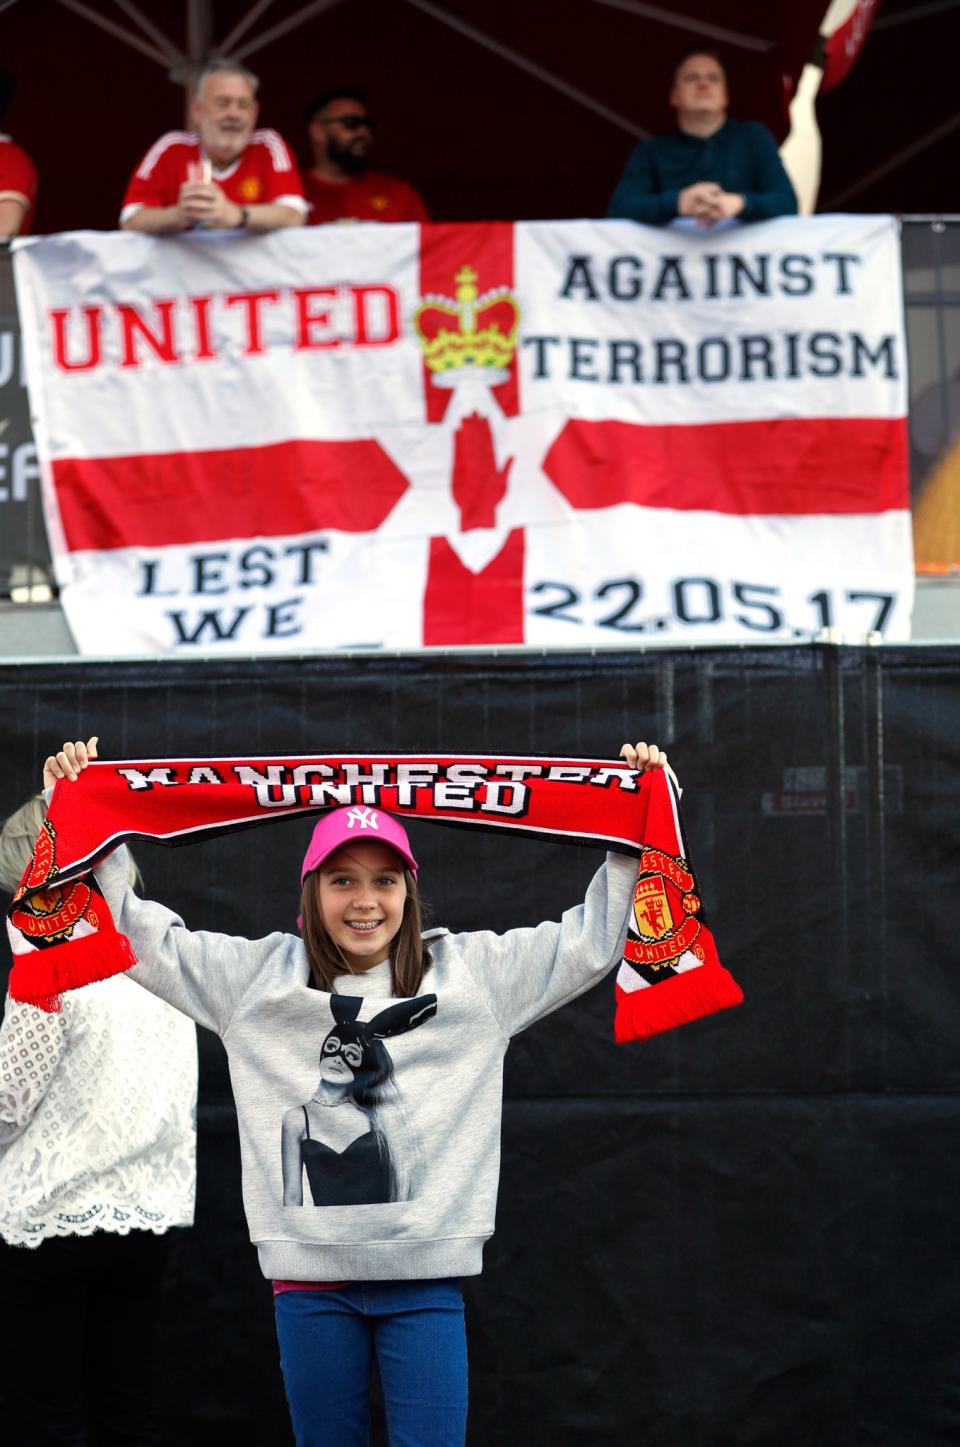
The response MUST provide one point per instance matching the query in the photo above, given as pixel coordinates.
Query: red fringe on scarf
(676, 1001)
(41, 976)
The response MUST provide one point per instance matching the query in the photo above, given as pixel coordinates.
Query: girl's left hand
(70, 762)
(643, 756)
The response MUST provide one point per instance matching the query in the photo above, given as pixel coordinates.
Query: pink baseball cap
(353, 825)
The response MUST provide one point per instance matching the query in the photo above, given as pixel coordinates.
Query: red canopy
(492, 108)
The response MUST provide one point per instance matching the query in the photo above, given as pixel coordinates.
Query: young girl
(367, 1058)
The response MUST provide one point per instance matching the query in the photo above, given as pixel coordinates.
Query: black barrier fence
(743, 1232)
(931, 270)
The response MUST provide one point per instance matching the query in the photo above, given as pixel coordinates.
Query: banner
(24, 556)
(560, 434)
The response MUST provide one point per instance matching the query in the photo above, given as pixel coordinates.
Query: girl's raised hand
(643, 756)
(70, 762)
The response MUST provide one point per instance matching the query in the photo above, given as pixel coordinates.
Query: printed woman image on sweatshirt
(336, 1137)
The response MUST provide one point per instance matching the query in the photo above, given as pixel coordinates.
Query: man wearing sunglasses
(340, 186)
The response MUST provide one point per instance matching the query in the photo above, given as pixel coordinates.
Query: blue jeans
(411, 1330)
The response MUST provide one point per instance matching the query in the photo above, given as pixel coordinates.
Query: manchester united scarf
(63, 936)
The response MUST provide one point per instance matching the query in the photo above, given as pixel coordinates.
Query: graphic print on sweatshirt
(336, 1138)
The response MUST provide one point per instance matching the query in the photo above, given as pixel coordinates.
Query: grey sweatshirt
(437, 1121)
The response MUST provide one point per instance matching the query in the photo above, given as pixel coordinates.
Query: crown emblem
(468, 335)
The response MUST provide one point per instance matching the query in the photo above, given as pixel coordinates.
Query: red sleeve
(160, 186)
(281, 176)
(18, 174)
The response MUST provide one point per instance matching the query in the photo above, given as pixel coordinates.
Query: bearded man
(225, 174)
(340, 186)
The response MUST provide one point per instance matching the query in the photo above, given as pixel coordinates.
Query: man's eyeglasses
(350, 123)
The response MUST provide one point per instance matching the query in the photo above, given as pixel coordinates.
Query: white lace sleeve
(97, 1129)
(31, 1044)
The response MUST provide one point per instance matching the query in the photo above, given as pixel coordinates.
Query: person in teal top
(710, 169)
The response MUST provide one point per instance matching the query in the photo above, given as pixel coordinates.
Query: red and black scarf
(63, 936)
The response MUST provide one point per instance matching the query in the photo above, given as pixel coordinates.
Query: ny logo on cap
(366, 818)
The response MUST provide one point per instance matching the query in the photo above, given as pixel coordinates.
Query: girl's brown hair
(409, 956)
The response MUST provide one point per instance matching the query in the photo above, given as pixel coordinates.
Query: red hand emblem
(478, 484)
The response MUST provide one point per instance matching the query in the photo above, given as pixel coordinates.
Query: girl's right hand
(644, 756)
(69, 762)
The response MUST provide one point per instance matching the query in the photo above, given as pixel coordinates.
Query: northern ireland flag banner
(553, 433)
